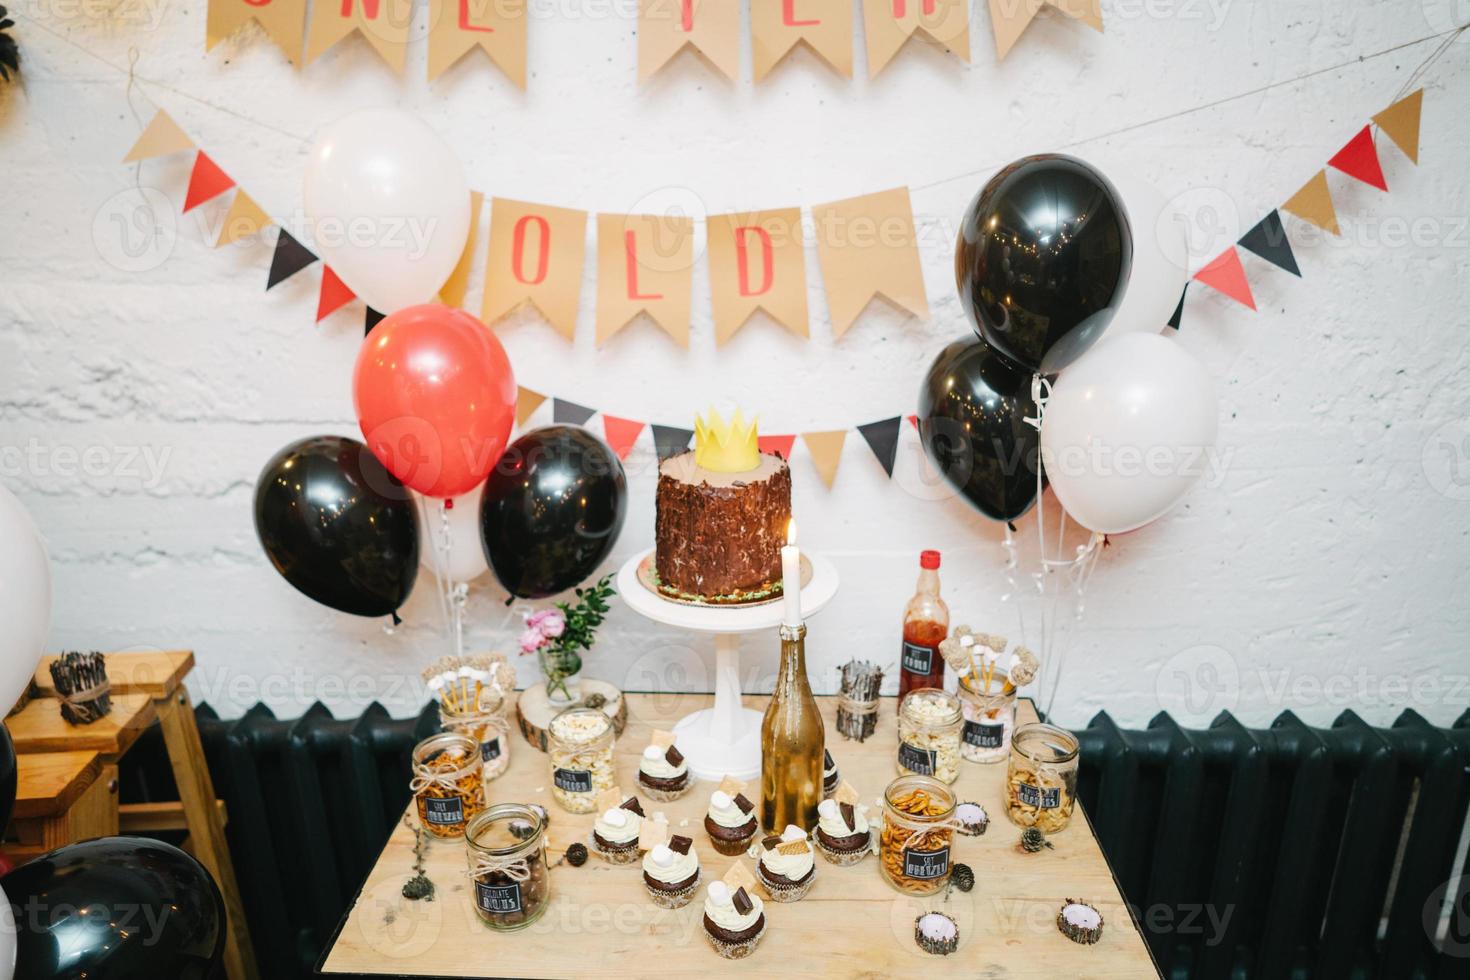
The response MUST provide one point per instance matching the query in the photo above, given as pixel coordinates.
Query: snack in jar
(447, 787)
(1041, 783)
(990, 717)
(580, 750)
(508, 866)
(918, 829)
(929, 723)
(489, 726)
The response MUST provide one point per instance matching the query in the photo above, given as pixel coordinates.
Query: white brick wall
(1331, 559)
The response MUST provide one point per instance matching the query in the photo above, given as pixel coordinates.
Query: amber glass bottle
(792, 743)
(925, 625)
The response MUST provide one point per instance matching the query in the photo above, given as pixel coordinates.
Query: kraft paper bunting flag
(670, 440)
(887, 24)
(757, 261)
(1009, 18)
(289, 258)
(1400, 123)
(382, 23)
(1268, 240)
(284, 22)
(1359, 159)
(535, 256)
(1225, 273)
(497, 27)
(1313, 203)
(776, 444)
(527, 401)
(160, 137)
(621, 434)
(645, 264)
(826, 452)
(333, 296)
(458, 283)
(1178, 316)
(570, 413)
(778, 26)
(882, 438)
(370, 318)
(711, 27)
(867, 247)
(206, 182)
(245, 219)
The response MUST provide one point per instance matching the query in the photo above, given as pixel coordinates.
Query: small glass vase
(563, 673)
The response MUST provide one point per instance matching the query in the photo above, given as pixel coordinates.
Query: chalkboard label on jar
(915, 759)
(925, 864)
(1042, 799)
(918, 659)
(498, 899)
(444, 811)
(984, 736)
(573, 780)
(490, 751)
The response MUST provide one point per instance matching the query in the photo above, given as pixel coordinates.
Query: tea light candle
(791, 578)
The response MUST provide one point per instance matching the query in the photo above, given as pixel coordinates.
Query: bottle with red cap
(925, 625)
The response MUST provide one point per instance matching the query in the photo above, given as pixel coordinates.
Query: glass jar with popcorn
(580, 748)
(1041, 784)
(929, 724)
(990, 716)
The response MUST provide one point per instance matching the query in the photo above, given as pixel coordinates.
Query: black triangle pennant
(371, 318)
(669, 440)
(1178, 316)
(570, 413)
(289, 258)
(1268, 240)
(882, 438)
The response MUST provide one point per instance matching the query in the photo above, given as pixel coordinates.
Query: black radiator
(1247, 854)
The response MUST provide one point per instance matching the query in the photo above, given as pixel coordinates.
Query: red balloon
(435, 398)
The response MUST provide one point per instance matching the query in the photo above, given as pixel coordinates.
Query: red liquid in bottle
(925, 625)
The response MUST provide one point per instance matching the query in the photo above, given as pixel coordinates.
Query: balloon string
(1009, 544)
(1077, 571)
(454, 593)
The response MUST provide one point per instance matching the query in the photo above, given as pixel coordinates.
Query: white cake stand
(725, 739)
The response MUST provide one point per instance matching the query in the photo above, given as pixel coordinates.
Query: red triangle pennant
(621, 434)
(914, 421)
(334, 294)
(207, 181)
(1225, 274)
(777, 444)
(1360, 159)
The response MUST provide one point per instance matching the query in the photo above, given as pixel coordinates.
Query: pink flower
(554, 625)
(532, 640)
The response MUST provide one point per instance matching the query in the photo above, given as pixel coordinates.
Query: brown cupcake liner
(786, 893)
(845, 859)
(664, 795)
(735, 951)
(676, 899)
(733, 848)
(622, 855)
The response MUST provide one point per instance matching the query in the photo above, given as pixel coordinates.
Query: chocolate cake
(718, 536)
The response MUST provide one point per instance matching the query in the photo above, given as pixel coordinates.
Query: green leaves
(585, 615)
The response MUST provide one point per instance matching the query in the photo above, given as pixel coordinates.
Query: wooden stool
(61, 797)
(146, 687)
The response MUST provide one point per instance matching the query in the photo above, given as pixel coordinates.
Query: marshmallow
(719, 892)
(793, 832)
(615, 818)
(653, 752)
(967, 641)
(720, 800)
(828, 809)
(662, 856)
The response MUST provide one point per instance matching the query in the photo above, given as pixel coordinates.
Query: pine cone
(963, 877)
(1033, 840)
(577, 855)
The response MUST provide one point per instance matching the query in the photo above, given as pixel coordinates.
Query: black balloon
(972, 420)
(7, 775)
(552, 510)
(1042, 260)
(338, 526)
(115, 907)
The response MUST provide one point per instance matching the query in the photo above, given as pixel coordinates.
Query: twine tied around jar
(517, 868)
(447, 781)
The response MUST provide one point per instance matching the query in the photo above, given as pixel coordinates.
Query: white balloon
(1128, 430)
(1160, 259)
(466, 554)
(7, 938)
(25, 598)
(390, 205)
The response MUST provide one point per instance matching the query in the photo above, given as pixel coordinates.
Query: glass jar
(918, 828)
(446, 783)
(506, 847)
(989, 719)
(489, 728)
(1041, 784)
(580, 748)
(929, 722)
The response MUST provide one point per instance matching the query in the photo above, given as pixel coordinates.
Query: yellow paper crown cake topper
(726, 447)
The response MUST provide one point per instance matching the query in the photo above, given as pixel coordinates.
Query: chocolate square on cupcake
(730, 825)
(663, 773)
(843, 833)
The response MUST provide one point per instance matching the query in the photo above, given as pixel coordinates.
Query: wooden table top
(852, 923)
(153, 672)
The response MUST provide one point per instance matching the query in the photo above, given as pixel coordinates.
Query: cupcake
(843, 834)
(663, 775)
(831, 778)
(734, 921)
(615, 834)
(972, 818)
(937, 933)
(671, 873)
(787, 865)
(730, 822)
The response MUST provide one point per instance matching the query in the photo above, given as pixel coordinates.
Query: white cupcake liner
(674, 900)
(845, 859)
(735, 951)
(786, 893)
(627, 855)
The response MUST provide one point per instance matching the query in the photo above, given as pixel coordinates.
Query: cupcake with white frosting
(787, 865)
(671, 872)
(663, 773)
(831, 777)
(734, 921)
(615, 834)
(730, 822)
(843, 833)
